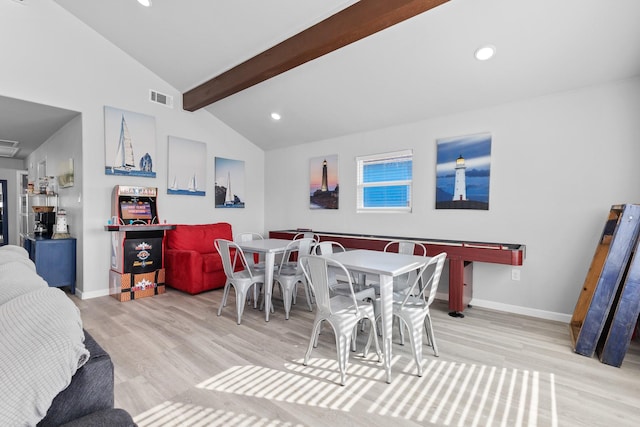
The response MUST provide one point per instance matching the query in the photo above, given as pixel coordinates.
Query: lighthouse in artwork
(460, 186)
(325, 185)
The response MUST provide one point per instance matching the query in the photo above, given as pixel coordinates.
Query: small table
(386, 265)
(268, 247)
(55, 260)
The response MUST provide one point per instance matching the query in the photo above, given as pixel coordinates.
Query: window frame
(361, 161)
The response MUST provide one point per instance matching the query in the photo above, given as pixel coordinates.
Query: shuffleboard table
(461, 255)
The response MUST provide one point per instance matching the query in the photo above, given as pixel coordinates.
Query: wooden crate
(128, 286)
(604, 277)
(623, 317)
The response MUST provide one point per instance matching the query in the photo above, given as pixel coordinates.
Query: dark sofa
(53, 373)
(88, 400)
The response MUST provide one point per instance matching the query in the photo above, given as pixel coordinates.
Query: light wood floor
(178, 363)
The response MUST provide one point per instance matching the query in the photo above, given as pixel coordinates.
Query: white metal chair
(342, 312)
(253, 260)
(307, 235)
(408, 247)
(289, 274)
(241, 280)
(412, 306)
(328, 247)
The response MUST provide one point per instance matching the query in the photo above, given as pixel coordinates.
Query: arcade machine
(137, 262)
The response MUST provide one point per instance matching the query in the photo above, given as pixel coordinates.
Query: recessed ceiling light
(145, 3)
(485, 52)
(275, 116)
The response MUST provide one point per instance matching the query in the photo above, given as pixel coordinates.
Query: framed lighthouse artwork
(323, 182)
(462, 172)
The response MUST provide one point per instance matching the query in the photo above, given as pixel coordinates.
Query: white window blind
(385, 181)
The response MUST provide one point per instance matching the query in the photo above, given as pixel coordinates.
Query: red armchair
(191, 262)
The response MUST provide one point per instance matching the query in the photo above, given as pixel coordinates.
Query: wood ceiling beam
(356, 22)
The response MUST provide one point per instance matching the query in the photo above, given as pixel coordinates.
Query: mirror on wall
(4, 226)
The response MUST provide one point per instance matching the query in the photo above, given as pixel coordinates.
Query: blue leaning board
(623, 241)
(613, 347)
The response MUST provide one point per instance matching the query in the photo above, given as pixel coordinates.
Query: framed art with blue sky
(186, 167)
(462, 172)
(130, 143)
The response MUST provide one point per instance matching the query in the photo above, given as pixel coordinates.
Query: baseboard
(516, 309)
(92, 294)
(526, 311)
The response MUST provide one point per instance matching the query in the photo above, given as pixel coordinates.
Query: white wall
(558, 163)
(54, 59)
(65, 144)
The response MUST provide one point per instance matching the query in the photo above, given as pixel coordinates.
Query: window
(384, 182)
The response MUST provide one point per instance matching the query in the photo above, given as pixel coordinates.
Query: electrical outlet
(515, 274)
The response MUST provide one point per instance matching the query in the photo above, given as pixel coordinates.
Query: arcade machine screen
(136, 210)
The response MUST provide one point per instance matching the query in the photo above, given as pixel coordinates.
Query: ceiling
(30, 124)
(420, 68)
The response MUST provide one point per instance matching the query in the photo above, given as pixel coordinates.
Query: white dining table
(386, 265)
(270, 248)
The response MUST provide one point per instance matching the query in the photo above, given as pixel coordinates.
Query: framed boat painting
(229, 183)
(129, 143)
(186, 167)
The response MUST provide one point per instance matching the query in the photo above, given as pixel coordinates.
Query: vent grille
(161, 98)
(8, 148)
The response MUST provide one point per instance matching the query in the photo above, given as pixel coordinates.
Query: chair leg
(430, 336)
(317, 334)
(307, 294)
(415, 337)
(342, 344)
(373, 336)
(313, 341)
(401, 331)
(240, 299)
(225, 294)
(354, 336)
(287, 298)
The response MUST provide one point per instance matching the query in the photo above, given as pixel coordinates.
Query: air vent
(161, 98)
(8, 148)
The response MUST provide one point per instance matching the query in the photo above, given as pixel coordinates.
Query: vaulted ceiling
(420, 68)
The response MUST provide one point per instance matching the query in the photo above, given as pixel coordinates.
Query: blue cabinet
(55, 260)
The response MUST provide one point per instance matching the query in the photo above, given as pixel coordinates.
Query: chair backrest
(307, 235)
(247, 237)
(316, 271)
(328, 247)
(306, 245)
(426, 289)
(294, 250)
(408, 247)
(230, 253)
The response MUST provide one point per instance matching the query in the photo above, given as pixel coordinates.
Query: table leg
(386, 312)
(269, 261)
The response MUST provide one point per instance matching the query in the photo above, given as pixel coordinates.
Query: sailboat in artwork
(229, 200)
(124, 154)
(174, 185)
(193, 185)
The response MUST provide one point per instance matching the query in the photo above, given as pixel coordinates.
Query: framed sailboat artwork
(130, 143)
(187, 167)
(229, 184)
